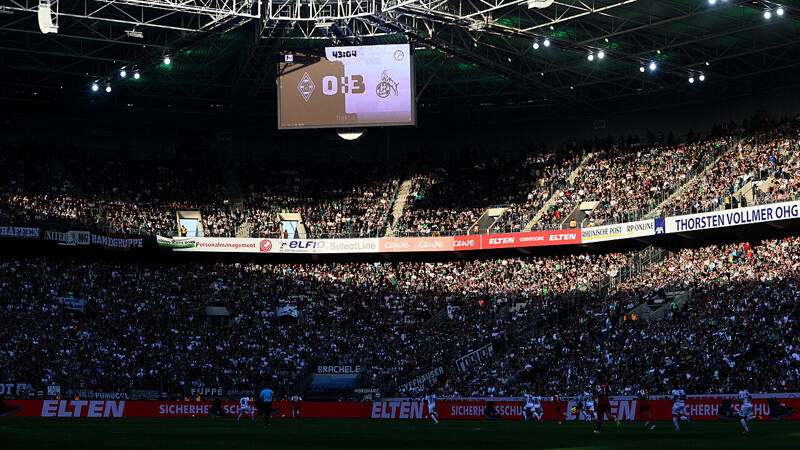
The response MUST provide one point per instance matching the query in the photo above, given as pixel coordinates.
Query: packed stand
(738, 331)
(138, 196)
(552, 173)
(348, 201)
(628, 182)
(452, 197)
(36, 192)
(144, 323)
(71, 187)
(770, 153)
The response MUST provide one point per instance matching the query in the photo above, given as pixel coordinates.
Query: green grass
(218, 434)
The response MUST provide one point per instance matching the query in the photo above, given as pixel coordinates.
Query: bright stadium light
(590, 57)
(546, 43)
(601, 54)
(767, 15)
(136, 75)
(536, 46)
(108, 88)
(691, 80)
(702, 77)
(653, 66)
(123, 73)
(711, 2)
(779, 11)
(95, 87)
(167, 61)
(351, 134)
(641, 69)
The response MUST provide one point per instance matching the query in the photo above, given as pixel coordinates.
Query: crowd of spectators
(139, 196)
(769, 153)
(144, 323)
(624, 182)
(450, 198)
(333, 202)
(32, 191)
(739, 330)
(627, 180)
(126, 196)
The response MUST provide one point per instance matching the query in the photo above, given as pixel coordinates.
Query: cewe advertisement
(531, 239)
(642, 228)
(417, 244)
(733, 217)
(461, 243)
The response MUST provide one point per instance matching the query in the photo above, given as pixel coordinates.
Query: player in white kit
(745, 410)
(678, 408)
(533, 408)
(246, 407)
(589, 407)
(431, 401)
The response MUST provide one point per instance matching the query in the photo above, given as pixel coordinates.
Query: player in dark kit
(266, 403)
(602, 392)
(559, 407)
(643, 413)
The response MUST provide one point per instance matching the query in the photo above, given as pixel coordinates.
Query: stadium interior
(573, 196)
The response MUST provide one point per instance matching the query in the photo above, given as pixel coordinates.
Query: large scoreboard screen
(346, 87)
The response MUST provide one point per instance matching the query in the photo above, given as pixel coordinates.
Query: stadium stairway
(655, 310)
(398, 205)
(571, 179)
(658, 208)
(486, 220)
(236, 199)
(579, 214)
(746, 194)
(437, 319)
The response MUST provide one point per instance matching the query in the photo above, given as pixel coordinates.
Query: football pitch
(223, 433)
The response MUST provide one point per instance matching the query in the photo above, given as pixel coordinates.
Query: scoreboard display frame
(295, 61)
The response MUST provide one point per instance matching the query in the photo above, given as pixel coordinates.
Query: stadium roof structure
(470, 54)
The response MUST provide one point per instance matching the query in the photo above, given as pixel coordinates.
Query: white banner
(424, 379)
(10, 389)
(626, 230)
(68, 237)
(258, 245)
(287, 311)
(733, 217)
(75, 304)
(175, 242)
(117, 241)
(19, 232)
(472, 358)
